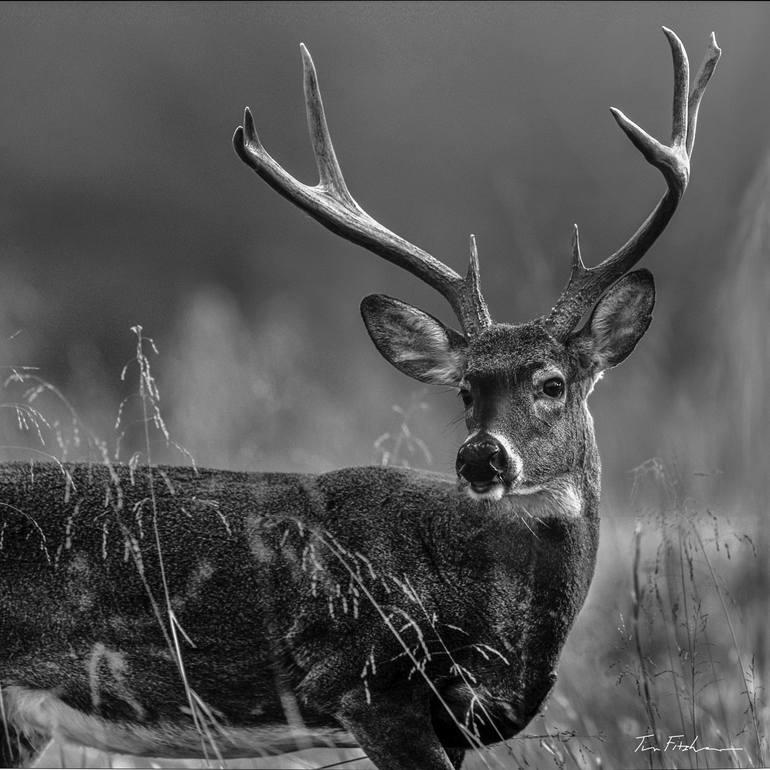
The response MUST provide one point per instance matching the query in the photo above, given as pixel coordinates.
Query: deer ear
(618, 321)
(416, 343)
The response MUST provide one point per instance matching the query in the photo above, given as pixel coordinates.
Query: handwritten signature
(676, 743)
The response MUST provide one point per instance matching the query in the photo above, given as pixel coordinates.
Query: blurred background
(122, 203)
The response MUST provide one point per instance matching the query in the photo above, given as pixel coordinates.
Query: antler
(331, 203)
(586, 285)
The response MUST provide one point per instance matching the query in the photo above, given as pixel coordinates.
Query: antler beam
(331, 203)
(586, 285)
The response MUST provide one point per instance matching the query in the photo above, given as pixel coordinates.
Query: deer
(184, 612)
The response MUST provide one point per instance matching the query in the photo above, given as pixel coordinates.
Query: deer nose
(481, 459)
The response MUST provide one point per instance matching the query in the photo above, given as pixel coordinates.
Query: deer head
(524, 386)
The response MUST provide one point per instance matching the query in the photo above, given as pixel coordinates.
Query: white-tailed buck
(172, 612)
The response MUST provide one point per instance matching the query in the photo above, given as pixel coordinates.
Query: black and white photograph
(385, 385)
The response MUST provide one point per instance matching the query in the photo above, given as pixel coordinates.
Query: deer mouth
(493, 489)
(498, 487)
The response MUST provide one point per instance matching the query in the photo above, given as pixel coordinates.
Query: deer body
(168, 612)
(269, 575)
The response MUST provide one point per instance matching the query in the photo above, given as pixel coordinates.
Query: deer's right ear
(416, 343)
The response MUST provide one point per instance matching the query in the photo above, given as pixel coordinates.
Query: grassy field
(669, 655)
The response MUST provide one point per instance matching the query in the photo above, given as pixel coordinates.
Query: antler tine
(681, 87)
(331, 203)
(705, 71)
(586, 285)
(329, 171)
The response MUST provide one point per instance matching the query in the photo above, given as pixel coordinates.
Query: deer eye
(466, 396)
(553, 387)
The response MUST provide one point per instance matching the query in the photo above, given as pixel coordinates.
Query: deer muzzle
(483, 461)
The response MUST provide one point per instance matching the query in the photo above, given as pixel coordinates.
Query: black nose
(481, 459)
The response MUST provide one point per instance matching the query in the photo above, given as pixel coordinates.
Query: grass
(668, 643)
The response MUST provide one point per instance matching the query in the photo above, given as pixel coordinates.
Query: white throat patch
(558, 497)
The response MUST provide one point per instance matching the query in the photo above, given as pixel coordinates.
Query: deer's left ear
(618, 322)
